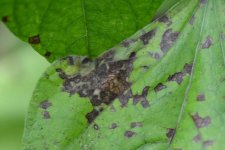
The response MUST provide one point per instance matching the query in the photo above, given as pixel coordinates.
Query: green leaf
(163, 88)
(82, 27)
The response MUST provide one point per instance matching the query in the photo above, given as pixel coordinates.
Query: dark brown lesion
(5, 19)
(34, 39)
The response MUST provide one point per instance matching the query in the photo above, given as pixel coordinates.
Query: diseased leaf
(163, 88)
(83, 27)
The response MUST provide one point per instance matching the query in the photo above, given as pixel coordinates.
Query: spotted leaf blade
(162, 88)
(80, 27)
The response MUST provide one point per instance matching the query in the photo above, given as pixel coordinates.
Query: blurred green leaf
(82, 27)
(176, 70)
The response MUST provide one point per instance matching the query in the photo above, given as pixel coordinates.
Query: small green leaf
(163, 88)
(83, 27)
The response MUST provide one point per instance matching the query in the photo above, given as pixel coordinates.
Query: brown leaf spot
(34, 39)
(201, 121)
(148, 36)
(201, 97)
(129, 134)
(5, 19)
(159, 87)
(136, 124)
(45, 104)
(168, 39)
(46, 115)
(170, 133)
(113, 126)
(208, 42)
(197, 138)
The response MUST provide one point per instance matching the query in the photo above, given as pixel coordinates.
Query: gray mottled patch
(201, 97)
(113, 126)
(207, 144)
(92, 115)
(207, 43)
(104, 82)
(170, 133)
(168, 39)
(142, 98)
(155, 55)
(197, 138)
(129, 134)
(34, 39)
(148, 36)
(165, 19)
(187, 69)
(128, 42)
(95, 126)
(192, 19)
(136, 124)
(178, 76)
(159, 87)
(46, 115)
(123, 98)
(201, 121)
(203, 2)
(45, 104)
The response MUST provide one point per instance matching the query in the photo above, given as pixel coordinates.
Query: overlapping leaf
(82, 27)
(173, 97)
